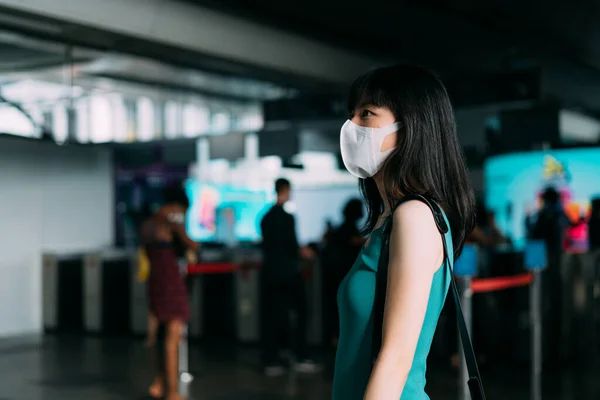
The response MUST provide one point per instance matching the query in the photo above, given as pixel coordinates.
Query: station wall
(56, 199)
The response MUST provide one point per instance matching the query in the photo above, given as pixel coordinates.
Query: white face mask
(361, 148)
(176, 218)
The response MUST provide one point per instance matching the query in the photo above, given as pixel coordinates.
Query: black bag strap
(474, 382)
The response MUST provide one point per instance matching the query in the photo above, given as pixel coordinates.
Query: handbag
(474, 381)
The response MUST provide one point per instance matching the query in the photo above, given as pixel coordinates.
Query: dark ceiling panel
(451, 36)
(456, 38)
(418, 32)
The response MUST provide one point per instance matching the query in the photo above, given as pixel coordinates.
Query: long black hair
(428, 158)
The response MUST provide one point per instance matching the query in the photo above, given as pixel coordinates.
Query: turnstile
(580, 317)
(107, 291)
(594, 260)
(195, 284)
(62, 287)
(248, 305)
(247, 296)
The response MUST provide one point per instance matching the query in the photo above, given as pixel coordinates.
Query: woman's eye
(365, 113)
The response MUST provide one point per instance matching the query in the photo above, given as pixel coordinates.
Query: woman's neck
(380, 187)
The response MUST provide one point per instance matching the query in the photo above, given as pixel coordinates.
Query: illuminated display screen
(218, 212)
(514, 185)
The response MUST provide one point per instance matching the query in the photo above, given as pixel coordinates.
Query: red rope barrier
(212, 268)
(484, 285)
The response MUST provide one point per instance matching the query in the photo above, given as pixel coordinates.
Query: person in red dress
(167, 294)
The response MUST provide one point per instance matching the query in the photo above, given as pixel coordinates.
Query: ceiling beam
(205, 31)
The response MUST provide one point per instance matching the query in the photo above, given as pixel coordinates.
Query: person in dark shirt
(282, 285)
(551, 223)
(349, 237)
(342, 247)
(550, 226)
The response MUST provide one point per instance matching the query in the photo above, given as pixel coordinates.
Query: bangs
(370, 89)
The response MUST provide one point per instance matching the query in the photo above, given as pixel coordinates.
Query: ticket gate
(580, 317)
(248, 307)
(465, 271)
(195, 285)
(247, 297)
(62, 287)
(233, 298)
(195, 288)
(107, 291)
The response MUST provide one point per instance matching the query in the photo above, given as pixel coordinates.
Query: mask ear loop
(397, 126)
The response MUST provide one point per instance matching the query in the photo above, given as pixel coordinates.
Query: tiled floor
(72, 368)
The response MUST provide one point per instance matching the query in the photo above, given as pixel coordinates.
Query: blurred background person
(549, 226)
(339, 254)
(487, 236)
(167, 294)
(282, 287)
(143, 275)
(594, 225)
(486, 233)
(329, 229)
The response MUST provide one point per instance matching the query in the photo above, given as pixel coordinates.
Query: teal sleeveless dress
(355, 300)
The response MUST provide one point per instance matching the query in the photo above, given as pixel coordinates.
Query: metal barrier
(185, 377)
(580, 285)
(62, 291)
(465, 269)
(106, 287)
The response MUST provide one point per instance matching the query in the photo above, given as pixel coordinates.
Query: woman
(144, 272)
(167, 295)
(400, 139)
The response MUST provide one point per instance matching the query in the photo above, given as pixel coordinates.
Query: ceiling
(466, 41)
(23, 26)
(27, 59)
(468, 35)
(459, 39)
